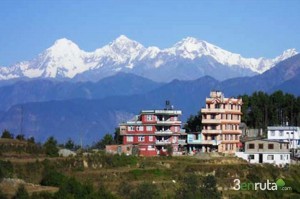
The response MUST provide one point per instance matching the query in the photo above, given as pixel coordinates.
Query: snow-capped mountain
(188, 59)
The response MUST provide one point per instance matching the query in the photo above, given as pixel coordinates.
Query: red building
(153, 130)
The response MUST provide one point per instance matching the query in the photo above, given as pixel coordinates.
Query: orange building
(220, 120)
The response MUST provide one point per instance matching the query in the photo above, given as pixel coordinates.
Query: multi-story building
(266, 151)
(290, 134)
(153, 130)
(220, 120)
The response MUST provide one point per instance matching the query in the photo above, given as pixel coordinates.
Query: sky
(255, 28)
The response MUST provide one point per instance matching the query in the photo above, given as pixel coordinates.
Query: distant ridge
(188, 59)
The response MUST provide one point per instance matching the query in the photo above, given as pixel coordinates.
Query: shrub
(2, 195)
(7, 134)
(6, 169)
(52, 178)
(146, 191)
(21, 193)
(50, 147)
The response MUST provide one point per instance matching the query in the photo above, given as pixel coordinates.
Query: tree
(169, 149)
(52, 178)
(31, 140)
(70, 144)
(118, 139)
(190, 188)
(209, 188)
(21, 193)
(7, 134)
(193, 123)
(50, 147)
(20, 137)
(146, 191)
(106, 140)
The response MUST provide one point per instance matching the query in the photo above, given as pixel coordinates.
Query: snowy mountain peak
(288, 53)
(187, 59)
(64, 43)
(61, 47)
(123, 41)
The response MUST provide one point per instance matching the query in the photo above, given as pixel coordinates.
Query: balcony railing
(168, 122)
(209, 142)
(181, 142)
(210, 131)
(211, 121)
(162, 142)
(167, 132)
(212, 110)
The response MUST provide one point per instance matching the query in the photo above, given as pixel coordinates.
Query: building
(221, 118)
(290, 134)
(266, 151)
(152, 131)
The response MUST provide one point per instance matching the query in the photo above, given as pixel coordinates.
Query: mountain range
(87, 110)
(188, 59)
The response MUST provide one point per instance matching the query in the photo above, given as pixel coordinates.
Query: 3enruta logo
(267, 185)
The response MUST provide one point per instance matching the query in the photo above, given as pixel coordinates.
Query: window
(272, 133)
(213, 116)
(251, 146)
(175, 118)
(281, 157)
(131, 128)
(141, 138)
(150, 138)
(270, 157)
(149, 128)
(270, 146)
(176, 129)
(280, 133)
(140, 128)
(261, 146)
(251, 157)
(129, 138)
(149, 117)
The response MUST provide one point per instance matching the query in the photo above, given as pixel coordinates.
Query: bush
(52, 178)
(42, 195)
(6, 169)
(21, 193)
(7, 134)
(2, 195)
(146, 191)
(50, 147)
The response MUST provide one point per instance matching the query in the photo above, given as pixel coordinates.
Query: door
(260, 158)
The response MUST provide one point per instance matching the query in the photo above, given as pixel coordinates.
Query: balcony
(210, 131)
(167, 132)
(211, 121)
(162, 142)
(168, 112)
(168, 122)
(182, 142)
(230, 141)
(207, 142)
(230, 121)
(212, 110)
(228, 131)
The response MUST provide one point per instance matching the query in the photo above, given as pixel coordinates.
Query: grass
(167, 173)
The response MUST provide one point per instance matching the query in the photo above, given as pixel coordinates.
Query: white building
(290, 134)
(266, 151)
